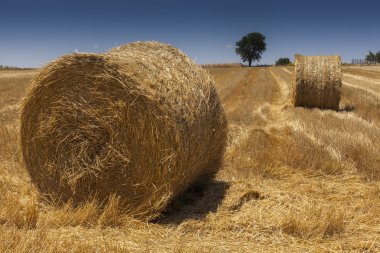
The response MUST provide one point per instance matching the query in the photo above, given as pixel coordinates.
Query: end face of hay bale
(142, 122)
(317, 81)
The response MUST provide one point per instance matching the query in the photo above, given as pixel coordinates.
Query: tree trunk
(250, 62)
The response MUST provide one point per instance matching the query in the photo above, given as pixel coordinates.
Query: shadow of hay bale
(195, 203)
(346, 108)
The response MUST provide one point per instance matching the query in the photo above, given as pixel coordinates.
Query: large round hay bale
(141, 121)
(317, 81)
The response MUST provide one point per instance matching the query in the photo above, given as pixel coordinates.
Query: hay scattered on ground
(317, 81)
(141, 121)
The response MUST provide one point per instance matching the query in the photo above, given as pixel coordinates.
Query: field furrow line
(373, 93)
(287, 70)
(284, 87)
(298, 127)
(362, 78)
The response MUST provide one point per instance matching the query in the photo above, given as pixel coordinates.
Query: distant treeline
(283, 62)
(12, 68)
(222, 65)
(261, 65)
(372, 57)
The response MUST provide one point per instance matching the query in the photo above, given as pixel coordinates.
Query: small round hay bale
(141, 121)
(317, 81)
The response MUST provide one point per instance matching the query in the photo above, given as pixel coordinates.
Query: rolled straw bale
(317, 81)
(141, 121)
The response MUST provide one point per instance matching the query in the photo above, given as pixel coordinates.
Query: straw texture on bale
(317, 81)
(141, 121)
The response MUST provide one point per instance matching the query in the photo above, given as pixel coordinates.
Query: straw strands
(317, 81)
(141, 122)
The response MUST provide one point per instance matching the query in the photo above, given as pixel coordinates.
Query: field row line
(284, 87)
(362, 78)
(377, 95)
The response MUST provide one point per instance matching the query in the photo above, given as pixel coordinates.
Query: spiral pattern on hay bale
(141, 122)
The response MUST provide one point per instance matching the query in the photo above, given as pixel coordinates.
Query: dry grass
(294, 180)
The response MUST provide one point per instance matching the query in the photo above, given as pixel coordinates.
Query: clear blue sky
(34, 32)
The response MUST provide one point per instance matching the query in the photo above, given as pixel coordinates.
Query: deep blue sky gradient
(34, 32)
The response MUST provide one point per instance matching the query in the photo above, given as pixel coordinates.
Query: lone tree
(251, 47)
(283, 61)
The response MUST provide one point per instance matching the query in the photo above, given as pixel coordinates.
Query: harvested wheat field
(293, 179)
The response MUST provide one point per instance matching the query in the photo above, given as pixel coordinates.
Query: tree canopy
(283, 61)
(371, 57)
(251, 47)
